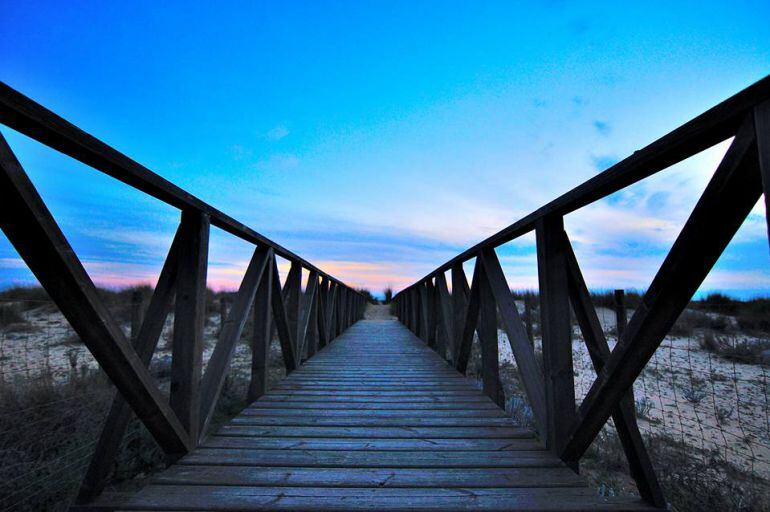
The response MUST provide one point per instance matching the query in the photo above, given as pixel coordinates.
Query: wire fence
(702, 404)
(54, 399)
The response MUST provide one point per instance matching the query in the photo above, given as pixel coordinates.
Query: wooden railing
(447, 320)
(304, 320)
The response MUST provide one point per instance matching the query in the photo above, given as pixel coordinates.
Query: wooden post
(136, 314)
(189, 317)
(222, 312)
(261, 337)
(460, 292)
(556, 331)
(528, 317)
(487, 331)
(621, 317)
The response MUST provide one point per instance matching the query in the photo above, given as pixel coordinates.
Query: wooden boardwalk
(375, 421)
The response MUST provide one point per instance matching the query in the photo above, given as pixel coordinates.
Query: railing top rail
(26, 116)
(711, 127)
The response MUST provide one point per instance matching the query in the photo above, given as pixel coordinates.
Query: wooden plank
(205, 497)
(521, 346)
(120, 414)
(230, 333)
(370, 477)
(556, 331)
(189, 317)
(762, 135)
(374, 413)
(285, 336)
(354, 444)
(261, 337)
(624, 417)
(412, 432)
(370, 421)
(313, 404)
(371, 459)
(469, 322)
(729, 197)
(32, 230)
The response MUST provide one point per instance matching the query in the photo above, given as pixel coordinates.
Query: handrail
(712, 127)
(448, 322)
(304, 321)
(26, 116)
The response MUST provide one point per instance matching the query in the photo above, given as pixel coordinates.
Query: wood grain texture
(303, 448)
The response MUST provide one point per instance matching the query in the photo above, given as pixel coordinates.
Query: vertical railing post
(621, 316)
(528, 317)
(459, 306)
(487, 331)
(137, 314)
(556, 331)
(189, 317)
(261, 337)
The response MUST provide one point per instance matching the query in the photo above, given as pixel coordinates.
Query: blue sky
(378, 139)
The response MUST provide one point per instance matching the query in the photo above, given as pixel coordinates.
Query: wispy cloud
(277, 132)
(603, 127)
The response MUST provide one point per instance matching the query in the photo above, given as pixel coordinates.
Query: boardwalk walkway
(375, 421)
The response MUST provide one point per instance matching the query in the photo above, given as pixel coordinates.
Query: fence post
(137, 313)
(621, 316)
(555, 330)
(487, 331)
(262, 335)
(189, 317)
(528, 317)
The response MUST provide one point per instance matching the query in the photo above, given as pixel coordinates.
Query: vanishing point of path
(375, 421)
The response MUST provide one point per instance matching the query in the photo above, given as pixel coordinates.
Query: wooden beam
(262, 336)
(469, 323)
(762, 135)
(31, 229)
(487, 330)
(556, 331)
(521, 346)
(229, 334)
(285, 335)
(189, 319)
(729, 197)
(120, 414)
(623, 417)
